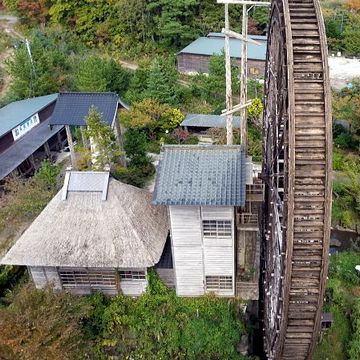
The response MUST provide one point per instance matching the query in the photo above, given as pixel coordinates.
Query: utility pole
(243, 79)
(229, 116)
(241, 107)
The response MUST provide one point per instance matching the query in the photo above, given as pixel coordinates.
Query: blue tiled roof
(72, 107)
(215, 45)
(209, 121)
(15, 113)
(201, 175)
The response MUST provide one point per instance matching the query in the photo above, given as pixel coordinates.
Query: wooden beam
(238, 36)
(235, 109)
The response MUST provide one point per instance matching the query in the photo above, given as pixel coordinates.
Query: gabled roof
(123, 231)
(215, 45)
(15, 113)
(209, 121)
(72, 107)
(201, 175)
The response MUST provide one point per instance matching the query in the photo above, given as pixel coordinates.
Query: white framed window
(130, 275)
(88, 278)
(217, 228)
(218, 282)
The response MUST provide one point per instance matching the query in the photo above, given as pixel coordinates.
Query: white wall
(43, 276)
(194, 256)
(133, 287)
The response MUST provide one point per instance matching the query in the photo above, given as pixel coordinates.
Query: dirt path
(128, 65)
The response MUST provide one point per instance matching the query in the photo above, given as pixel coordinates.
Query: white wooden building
(202, 187)
(96, 233)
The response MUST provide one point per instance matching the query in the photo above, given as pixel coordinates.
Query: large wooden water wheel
(297, 174)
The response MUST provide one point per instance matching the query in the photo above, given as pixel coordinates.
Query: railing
(247, 218)
(255, 192)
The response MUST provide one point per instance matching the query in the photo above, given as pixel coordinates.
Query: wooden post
(58, 138)
(32, 162)
(229, 117)
(47, 149)
(243, 79)
(71, 146)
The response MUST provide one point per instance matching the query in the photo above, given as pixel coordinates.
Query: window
(218, 282)
(88, 278)
(129, 275)
(217, 228)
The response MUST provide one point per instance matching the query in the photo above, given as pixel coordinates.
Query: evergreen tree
(91, 75)
(162, 81)
(105, 151)
(117, 78)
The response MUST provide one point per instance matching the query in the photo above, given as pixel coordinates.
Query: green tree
(91, 75)
(212, 87)
(162, 81)
(352, 35)
(43, 75)
(117, 77)
(135, 145)
(105, 150)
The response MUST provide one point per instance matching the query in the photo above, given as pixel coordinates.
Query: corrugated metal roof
(12, 157)
(254, 37)
(209, 121)
(72, 107)
(15, 113)
(210, 46)
(201, 175)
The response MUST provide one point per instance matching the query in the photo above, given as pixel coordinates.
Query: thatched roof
(123, 231)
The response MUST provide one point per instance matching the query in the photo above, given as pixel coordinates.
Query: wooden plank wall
(219, 254)
(195, 257)
(187, 250)
(167, 277)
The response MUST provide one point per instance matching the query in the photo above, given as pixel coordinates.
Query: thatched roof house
(95, 233)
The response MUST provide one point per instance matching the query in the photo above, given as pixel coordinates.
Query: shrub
(342, 266)
(43, 325)
(160, 325)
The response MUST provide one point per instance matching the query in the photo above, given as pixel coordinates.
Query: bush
(9, 276)
(342, 266)
(160, 325)
(354, 346)
(338, 161)
(132, 175)
(42, 325)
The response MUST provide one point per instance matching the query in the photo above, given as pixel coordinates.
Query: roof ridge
(88, 93)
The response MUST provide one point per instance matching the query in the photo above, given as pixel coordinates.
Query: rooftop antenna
(244, 103)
